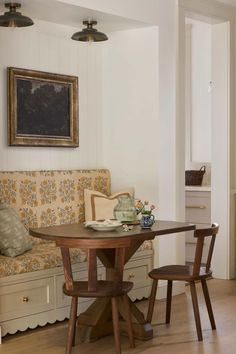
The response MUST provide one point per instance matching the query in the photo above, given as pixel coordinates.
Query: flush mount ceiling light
(89, 34)
(13, 18)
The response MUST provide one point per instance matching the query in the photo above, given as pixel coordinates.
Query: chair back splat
(92, 270)
(67, 268)
(201, 235)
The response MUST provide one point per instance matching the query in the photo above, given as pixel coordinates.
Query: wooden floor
(177, 338)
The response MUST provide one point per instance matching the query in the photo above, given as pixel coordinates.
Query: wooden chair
(94, 288)
(190, 274)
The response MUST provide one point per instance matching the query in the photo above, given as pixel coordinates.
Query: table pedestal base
(96, 321)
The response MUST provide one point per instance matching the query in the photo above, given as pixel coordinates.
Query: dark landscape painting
(42, 108)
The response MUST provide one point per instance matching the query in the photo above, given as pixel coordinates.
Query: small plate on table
(106, 225)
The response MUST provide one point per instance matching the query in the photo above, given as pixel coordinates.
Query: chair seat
(104, 288)
(178, 272)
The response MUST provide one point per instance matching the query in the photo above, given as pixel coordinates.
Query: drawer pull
(131, 276)
(25, 299)
(196, 206)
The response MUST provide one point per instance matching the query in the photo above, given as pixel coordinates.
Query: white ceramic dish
(103, 226)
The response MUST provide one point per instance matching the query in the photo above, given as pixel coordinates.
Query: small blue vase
(147, 221)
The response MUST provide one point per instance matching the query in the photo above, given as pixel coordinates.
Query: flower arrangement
(143, 207)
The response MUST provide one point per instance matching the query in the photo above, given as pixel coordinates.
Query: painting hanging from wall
(42, 109)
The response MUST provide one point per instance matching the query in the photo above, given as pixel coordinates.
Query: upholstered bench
(42, 256)
(31, 283)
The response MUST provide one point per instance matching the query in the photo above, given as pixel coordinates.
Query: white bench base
(36, 298)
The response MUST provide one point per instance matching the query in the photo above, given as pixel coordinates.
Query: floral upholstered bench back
(46, 198)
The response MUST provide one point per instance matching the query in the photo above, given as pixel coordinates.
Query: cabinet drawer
(137, 272)
(63, 300)
(198, 207)
(27, 298)
(198, 210)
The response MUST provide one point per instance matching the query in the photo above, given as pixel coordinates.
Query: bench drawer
(26, 298)
(137, 272)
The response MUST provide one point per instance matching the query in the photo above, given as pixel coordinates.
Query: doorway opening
(198, 125)
(211, 97)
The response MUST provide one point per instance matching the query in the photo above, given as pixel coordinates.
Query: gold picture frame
(42, 109)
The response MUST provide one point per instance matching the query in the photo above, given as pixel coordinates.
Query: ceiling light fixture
(89, 34)
(13, 18)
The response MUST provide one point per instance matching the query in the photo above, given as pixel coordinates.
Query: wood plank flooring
(177, 338)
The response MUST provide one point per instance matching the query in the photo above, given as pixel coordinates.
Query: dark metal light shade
(12, 18)
(89, 34)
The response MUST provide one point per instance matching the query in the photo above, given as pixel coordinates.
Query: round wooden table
(95, 322)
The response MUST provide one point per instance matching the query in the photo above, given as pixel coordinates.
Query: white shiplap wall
(48, 47)
(130, 110)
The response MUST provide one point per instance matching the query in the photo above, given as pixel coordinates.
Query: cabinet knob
(131, 276)
(25, 299)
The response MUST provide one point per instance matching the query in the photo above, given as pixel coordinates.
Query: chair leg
(152, 299)
(168, 300)
(116, 327)
(128, 320)
(196, 310)
(72, 325)
(208, 303)
(75, 317)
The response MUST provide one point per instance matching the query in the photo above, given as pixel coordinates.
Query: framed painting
(42, 109)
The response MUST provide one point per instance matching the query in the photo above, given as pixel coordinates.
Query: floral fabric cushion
(99, 206)
(46, 198)
(14, 238)
(42, 256)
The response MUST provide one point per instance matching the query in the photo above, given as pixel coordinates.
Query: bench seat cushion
(42, 256)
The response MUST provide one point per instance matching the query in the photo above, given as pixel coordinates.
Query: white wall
(232, 151)
(48, 47)
(220, 204)
(140, 144)
(130, 101)
(198, 97)
(201, 77)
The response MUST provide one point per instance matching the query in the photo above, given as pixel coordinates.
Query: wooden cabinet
(197, 211)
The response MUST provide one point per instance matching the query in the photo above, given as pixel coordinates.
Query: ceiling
(60, 12)
(72, 15)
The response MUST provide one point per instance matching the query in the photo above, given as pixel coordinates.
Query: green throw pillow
(14, 238)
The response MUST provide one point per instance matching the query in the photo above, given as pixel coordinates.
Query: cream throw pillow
(99, 206)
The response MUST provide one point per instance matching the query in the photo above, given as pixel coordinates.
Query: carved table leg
(141, 329)
(96, 321)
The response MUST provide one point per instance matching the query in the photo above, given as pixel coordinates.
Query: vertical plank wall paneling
(48, 47)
